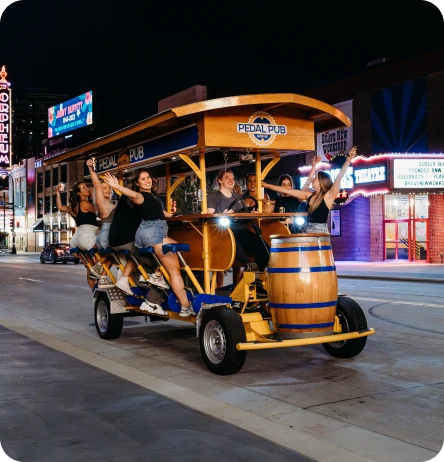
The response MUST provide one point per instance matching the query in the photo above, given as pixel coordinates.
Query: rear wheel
(352, 319)
(42, 261)
(220, 331)
(53, 259)
(76, 262)
(108, 326)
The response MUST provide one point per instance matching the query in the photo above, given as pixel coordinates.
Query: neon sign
(5, 120)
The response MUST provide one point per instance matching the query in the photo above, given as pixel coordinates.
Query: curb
(391, 278)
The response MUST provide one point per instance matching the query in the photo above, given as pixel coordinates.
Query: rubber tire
(42, 261)
(109, 326)
(53, 259)
(352, 319)
(76, 262)
(232, 331)
(64, 262)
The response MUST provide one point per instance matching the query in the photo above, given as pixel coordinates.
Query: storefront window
(396, 207)
(406, 227)
(421, 206)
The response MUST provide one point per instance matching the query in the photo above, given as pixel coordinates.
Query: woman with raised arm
(319, 202)
(105, 210)
(153, 230)
(84, 214)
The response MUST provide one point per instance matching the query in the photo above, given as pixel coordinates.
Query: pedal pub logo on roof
(262, 129)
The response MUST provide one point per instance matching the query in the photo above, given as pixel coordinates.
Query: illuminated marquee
(418, 173)
(5, 120)
(262, 129)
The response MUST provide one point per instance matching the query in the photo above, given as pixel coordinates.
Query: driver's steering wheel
(244, 207)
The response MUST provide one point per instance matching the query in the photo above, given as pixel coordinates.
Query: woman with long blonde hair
(319, 202)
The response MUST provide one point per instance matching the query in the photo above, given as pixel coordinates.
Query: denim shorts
(317, 228)
(151, 232)
(102, 239)
(84, 237)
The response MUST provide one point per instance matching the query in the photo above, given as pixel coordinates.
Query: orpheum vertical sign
(5, 121)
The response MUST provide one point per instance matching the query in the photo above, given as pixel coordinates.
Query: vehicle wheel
(220, 331)
(76, 262)
(64, 262)
(42, 261)
(108, 325)
(53, 259)
(352, 319)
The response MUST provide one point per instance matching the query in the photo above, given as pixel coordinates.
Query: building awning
(37, 226)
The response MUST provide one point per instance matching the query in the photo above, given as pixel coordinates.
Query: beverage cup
(62, 187)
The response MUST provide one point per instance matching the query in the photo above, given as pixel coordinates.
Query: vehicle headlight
(224, 221)
(299, 220)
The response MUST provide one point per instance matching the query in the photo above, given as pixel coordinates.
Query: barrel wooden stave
(302, 283)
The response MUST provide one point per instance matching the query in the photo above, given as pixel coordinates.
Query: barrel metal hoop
(313, 269)
(302, 306)
(300, 249)
(305, 326)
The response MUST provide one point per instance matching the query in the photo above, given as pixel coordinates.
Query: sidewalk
(390, 270)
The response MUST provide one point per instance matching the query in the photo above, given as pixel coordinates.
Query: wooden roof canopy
(216, 123)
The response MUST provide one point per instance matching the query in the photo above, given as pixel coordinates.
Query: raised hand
(90, 164)
(110, 179)
(315, 161)
(352, 152)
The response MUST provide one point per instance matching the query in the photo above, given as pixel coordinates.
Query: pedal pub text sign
(5, 121)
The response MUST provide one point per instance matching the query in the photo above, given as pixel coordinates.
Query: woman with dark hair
(319, 202)
(84, 214)
(152, 230)
(251, 182)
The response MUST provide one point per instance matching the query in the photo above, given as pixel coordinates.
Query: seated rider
(246, 240)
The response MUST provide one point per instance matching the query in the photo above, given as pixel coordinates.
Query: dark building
(30, 122)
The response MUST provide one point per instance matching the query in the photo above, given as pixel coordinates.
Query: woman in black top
(153, 230)
(321, 200)
(84, 214)
(286, 203)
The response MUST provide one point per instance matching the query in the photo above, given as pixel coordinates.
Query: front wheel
(220, 331)
(53, 259)
(352, 319)
(108, 326)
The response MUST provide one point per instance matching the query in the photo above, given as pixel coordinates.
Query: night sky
(134, 53)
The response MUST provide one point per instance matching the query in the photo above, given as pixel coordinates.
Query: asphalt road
(387, 404)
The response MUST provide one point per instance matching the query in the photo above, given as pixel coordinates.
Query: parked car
(58, 252)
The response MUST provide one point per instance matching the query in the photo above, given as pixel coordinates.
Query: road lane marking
(33, 280)
(400, 302)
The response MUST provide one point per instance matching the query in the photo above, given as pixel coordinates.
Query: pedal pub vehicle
(301, 305)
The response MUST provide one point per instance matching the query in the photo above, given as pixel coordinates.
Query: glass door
(397, 240)
(419, 241)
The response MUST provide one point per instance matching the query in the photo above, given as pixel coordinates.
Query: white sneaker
(153, 308)
(158, 281)
(187, 311)
(104, 283)
(124, 286)
(97, 270)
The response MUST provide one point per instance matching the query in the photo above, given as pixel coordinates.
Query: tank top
(320, 215)
(151, 208)
(85, 218)
(109, 218)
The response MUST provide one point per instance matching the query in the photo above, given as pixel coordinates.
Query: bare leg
(171, 264)
(90, 281)
(129, 268)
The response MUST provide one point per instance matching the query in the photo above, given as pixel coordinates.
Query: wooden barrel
(302, 283)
